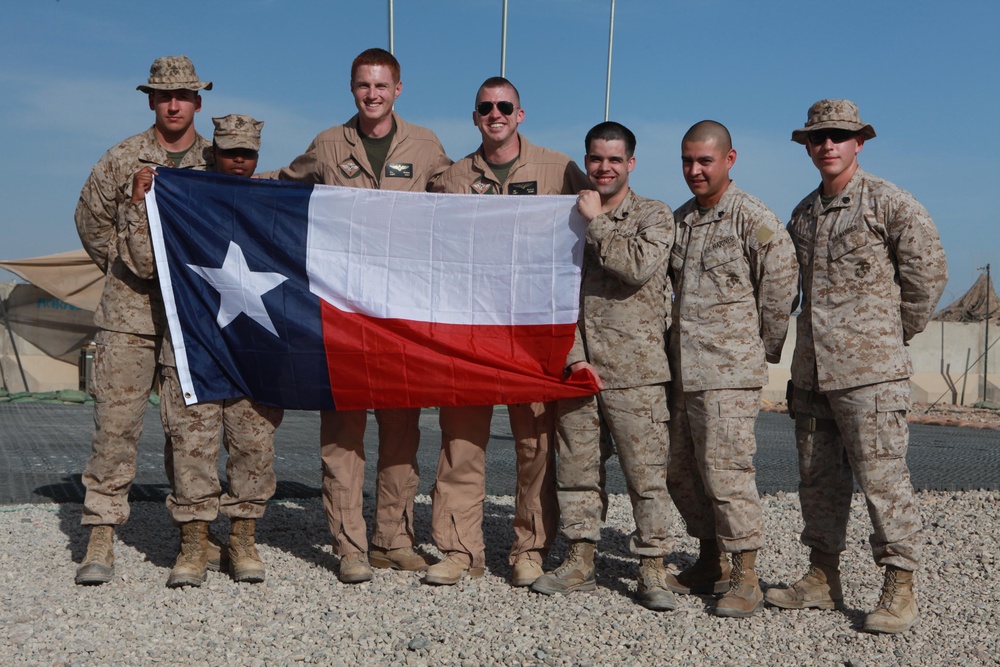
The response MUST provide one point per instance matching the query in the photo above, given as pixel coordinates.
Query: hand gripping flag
(318, 297)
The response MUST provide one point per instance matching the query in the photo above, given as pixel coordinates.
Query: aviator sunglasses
(506, 108)
(818, 137)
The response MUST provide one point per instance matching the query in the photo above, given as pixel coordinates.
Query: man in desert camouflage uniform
(872, 271)
(505, 163)
(620, 340)
(247, 427)
(130, 313)
(375, 149)
(734, 275)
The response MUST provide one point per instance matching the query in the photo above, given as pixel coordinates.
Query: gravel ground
(303, 615)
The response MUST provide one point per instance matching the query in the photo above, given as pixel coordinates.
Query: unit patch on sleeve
(524, 188)
(399, 170)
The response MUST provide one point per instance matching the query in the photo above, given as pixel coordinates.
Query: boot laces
(654, 574)
(573, 561)
(888, 589)
(736, 575)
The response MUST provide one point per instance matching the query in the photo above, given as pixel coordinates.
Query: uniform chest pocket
(677, 259)
(847, 241)
(722, 261)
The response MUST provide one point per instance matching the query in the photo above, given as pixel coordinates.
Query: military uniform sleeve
(579, 351)
(920, 260)
(96, 212)
(634, 252)
(775, 276)
(135, 245)
(440, 163)
(306, 168)
(575, 180)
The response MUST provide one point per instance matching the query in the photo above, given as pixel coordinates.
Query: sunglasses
(506, 108)
(819, 137)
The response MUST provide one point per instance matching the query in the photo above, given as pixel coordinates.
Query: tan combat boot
(653, 592)
(244, 562)
(403, 558)
(818, 589)
(897, 609)
(575, 574)
(708, 575)
(354, 568)
(744, 597)
(525, 571)
(451, 570)
(98, 566)
(191, 568)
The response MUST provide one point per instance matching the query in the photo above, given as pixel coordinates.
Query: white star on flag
(240, 288)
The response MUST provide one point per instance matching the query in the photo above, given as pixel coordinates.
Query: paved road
(43, 449)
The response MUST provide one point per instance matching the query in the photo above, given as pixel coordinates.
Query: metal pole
(503, 41)
(392, 34)
(13, 345)
(986, 352)
(611, 44)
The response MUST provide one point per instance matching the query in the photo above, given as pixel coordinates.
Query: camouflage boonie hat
(236, 131)
(833, 114)
(173, 73)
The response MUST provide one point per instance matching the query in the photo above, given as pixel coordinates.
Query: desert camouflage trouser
(342, 448)
(194, 432)
(460, 485)
(711, 475)
(864, 430)
(124, 372)
(637, 419)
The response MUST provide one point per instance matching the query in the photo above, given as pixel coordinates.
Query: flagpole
(611, 43)
(503, 41)
(986, 350)
(392, 36)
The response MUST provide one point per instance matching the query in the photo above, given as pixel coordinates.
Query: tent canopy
(972, 306)
(70, 276)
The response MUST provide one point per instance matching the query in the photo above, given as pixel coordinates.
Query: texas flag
(318, 297)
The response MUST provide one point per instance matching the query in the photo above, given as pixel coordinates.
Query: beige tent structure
(972, 306)
(49, 322)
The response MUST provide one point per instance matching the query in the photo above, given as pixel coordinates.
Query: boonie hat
(833, 114)
(173, 73)
(236, 131)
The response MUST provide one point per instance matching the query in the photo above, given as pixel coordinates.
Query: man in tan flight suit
(130, 313)
(375, 149)
(505, 163)
(872, 270)
(734, 277)
(620, 341)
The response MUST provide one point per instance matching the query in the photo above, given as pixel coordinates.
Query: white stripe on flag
(452, 259)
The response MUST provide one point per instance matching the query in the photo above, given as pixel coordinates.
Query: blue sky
(923, 73)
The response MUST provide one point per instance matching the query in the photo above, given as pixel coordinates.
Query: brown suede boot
(744, 597)
(653, 592)
(191, 568)
(98, 566)
(897, 609)
(244, 562)
(708, 575)
(819, 589)
(575, 574)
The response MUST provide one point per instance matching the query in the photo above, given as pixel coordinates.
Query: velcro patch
(399, 170)
(524, 188)
(763, 235)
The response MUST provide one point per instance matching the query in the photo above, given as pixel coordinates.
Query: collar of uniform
(622, 211)
(845, 197)
(717, 212)
(480, 164)
(353, 137)
(153, 154)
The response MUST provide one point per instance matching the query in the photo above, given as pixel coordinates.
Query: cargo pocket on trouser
(892, 401)
(733, 438)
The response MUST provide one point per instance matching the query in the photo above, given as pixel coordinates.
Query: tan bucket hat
(833, 114)
(236, 131)
(173, 73)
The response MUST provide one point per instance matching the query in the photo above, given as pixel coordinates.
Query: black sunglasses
(506, 108)
(818, 137)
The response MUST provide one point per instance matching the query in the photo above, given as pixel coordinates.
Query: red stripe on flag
(393, 363)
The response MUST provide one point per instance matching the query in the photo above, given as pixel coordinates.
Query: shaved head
(708, 131)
